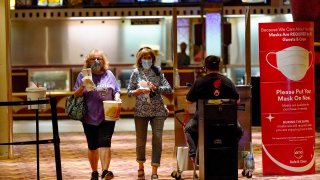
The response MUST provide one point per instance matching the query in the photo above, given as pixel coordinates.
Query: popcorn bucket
(112, 110)
(35, 94)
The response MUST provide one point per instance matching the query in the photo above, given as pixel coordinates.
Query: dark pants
(99, 136)
(191, 132)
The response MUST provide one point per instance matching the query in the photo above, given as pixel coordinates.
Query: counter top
(47, 93)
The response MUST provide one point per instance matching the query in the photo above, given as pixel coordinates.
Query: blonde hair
(91, 54)
(143, 51)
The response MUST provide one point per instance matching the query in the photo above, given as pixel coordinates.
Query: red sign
(286, 53)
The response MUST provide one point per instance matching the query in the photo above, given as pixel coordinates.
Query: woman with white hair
(98, 132)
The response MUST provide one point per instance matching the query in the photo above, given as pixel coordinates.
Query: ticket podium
(218, 144)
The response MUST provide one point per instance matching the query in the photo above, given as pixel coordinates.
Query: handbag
(75, 107)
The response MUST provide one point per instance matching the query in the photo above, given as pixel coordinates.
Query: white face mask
(146, 63)
(292, 62)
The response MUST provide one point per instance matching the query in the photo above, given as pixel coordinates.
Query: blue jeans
(141, 124)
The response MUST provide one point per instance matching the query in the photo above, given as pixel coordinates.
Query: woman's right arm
(79, 91)
(78, 87)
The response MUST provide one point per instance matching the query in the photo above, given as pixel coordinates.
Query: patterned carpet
(75, 165)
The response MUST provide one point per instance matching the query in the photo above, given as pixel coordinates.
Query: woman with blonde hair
(147, 83)
(97, 130)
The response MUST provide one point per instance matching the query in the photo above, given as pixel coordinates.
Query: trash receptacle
(244, 118)
(218, 144)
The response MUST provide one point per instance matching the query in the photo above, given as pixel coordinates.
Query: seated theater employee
(211, 86)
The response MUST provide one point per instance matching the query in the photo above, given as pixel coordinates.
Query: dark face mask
(96, 66)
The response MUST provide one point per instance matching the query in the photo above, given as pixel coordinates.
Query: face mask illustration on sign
(292, 62)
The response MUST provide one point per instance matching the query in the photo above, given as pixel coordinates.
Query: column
(5, 80)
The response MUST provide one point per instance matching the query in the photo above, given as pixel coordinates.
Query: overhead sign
(144, 21)
(287, 98)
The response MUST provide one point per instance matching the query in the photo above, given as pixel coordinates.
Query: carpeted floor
(75, 165)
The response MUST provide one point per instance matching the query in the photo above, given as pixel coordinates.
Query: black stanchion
(37, 144)
(55, 140)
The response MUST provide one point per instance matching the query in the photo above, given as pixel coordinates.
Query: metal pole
(176, 78)
(248, 48)
(56, 139)
(174, 38)
(37, 139)
(203, 36)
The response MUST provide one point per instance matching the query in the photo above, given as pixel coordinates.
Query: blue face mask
(146, 63)
(96, 66)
